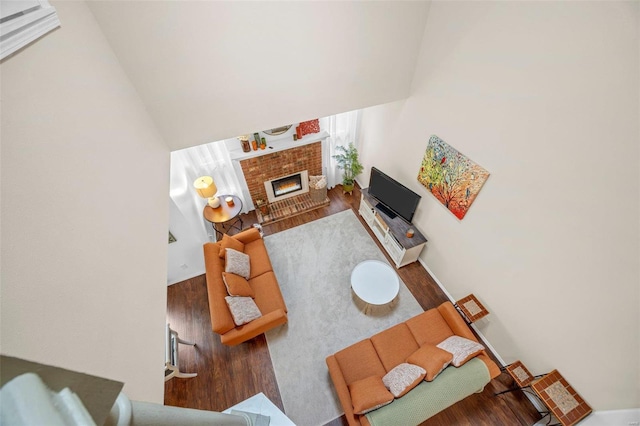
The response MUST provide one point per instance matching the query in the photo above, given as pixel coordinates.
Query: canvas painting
(451, 177)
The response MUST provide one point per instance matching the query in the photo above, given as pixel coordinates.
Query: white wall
(186, 259)
(85, 178)
(210, 70)
(544, 95)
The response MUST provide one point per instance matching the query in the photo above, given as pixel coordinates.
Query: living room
(529, 91)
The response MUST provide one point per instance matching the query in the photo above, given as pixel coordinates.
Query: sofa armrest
(494, 370)
(258, 326)
(248, 235)
(460, 328)
(342, 390)
(455, 321)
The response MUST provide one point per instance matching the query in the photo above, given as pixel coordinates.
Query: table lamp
(206, 188)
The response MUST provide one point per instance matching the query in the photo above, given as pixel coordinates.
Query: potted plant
(350, 166)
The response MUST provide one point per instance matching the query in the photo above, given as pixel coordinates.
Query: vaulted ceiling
(209, 70)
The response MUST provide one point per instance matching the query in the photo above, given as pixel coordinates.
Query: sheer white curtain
(343, 129)
(213, 160)
(187, 165)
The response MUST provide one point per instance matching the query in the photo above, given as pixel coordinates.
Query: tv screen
(395, 197)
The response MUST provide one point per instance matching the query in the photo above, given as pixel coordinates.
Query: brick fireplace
(258, 170)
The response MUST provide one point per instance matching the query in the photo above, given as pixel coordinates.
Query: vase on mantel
(244, 141)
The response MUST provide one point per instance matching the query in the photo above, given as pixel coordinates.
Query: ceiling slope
(212, 70)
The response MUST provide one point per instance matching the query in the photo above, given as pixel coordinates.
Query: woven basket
(318, 195)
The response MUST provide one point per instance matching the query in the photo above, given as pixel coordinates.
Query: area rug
(313, 264)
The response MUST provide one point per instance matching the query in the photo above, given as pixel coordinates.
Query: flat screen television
(394, 198)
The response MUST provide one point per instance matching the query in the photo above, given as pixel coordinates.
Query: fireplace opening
(286, 185)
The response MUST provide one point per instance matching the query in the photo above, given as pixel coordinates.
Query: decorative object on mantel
(471, 308)
(206, 188)
(255, 143)
(560, 397)
(308, 127)
(451, 177)
(278, 130)
(172, 239)
(244, 141)
(350, 165)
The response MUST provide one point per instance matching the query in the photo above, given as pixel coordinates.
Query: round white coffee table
(375, 283)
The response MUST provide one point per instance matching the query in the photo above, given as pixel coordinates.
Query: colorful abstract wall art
(451, 177)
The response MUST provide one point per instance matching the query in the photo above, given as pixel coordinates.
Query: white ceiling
(209, 70)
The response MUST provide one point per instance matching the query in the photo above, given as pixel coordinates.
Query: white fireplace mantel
(276, 145)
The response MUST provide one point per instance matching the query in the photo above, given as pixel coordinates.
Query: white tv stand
(391, 232)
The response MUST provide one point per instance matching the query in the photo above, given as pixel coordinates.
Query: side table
(520, 375)
(471, 309)
(561, 399)
(225, 217)
(555, 393)
(522, 378)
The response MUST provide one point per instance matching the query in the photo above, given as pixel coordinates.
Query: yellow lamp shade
(205, 187)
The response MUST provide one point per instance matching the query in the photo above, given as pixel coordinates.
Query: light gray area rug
(313, 264)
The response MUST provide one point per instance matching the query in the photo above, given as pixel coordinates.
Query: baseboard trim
(630, 417)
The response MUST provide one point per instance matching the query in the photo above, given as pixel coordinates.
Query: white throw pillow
(462, 349)
(402, 378)
(237, 263)
(243, 309)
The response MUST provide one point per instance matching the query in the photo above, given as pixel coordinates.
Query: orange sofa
(263, 282)
(387, 349)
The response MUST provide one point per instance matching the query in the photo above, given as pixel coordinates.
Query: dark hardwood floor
(228, 375)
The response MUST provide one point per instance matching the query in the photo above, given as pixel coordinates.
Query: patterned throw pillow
(462, 349)
(402, 378)
(230, 242)
(432, 359)
(243, 309)
(369, 394)
(308, 127)
(237, 285)
(238, 263)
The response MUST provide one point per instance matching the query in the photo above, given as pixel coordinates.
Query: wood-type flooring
(228, 375)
